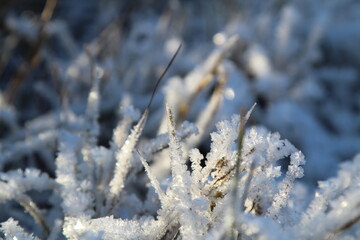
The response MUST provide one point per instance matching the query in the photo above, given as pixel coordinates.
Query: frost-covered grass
(92, 146)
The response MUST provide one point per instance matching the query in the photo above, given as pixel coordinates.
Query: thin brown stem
(26, 202)
(34, 56)
(48, 11)
(162, 76)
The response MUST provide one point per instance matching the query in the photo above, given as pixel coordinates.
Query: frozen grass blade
(180, 175)
(201, 76)
(239, 158)
(207, 116)
(123, 156)
(30, 207)
(243, 120)
(154, 182)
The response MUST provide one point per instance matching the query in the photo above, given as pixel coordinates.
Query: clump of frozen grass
(190, 203)
(238, 189)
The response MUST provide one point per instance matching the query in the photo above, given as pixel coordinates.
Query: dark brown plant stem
(34, 55)
(162, 76)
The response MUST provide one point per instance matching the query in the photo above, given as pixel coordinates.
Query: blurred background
(298, 60)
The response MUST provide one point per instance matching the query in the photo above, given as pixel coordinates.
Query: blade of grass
(124, 155)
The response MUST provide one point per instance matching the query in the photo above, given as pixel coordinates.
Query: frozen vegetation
(179, 119)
